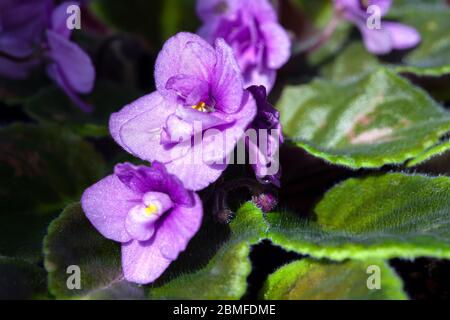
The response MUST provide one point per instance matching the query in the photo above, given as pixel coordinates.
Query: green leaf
(225, 275)
(434, 151)
(21, 280)
(21, 235)
(432, 20)
(14, 92)
(53, 106)
(353, 61)
(43, 168)
(155, 20)
(72, 240)
(367, 123)
(385, 216)
(309, 279)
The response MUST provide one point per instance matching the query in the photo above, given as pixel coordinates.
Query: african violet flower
(147, 210)
(251, 28)
(195, 118)
(392, 35)
(267, 120)
(34, 32)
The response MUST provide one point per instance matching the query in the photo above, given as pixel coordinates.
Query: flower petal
(384, 5)
(106, 205)
(376, 41)
(218, 146)
(278, 45)
(74, 64)
(144, 262)
(59, 19)
(183, 54)
(137, 127)
(226, 84)
(402, 36)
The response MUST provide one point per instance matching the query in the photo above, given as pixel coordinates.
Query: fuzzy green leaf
(72, 240)
(53, 106)
(309, 279)
(21, 280)
(372, 121)
(432, 21)
(225, 275)
(386, 216)
(43, 168)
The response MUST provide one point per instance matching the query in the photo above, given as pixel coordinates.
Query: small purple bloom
(391, 35)
(147, 210)
(267, 120)
(34, 32)
(197, 115)
(251, 28)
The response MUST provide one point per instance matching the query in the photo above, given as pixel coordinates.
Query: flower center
(202, 107)
(151, 209)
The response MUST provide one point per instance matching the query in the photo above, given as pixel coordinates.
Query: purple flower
(34, 32)
(267, 124)
(251, 28)
(147, 210)
(391, 35)
(195, 118)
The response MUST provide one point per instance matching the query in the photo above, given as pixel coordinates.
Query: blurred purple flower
(391, 35)
(251, 28)
(195, 118)
(34, 32)
(147, 210)
(267, 120)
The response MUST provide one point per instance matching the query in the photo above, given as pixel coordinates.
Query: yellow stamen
(201, 106)
(151, 209)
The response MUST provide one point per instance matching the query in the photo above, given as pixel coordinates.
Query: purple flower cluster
(33, 32)
(390, 35)
(211, 89)
(261, 45)
(188, 128)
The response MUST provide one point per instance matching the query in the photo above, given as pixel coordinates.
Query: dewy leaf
(372, 121)
(432, 20)
(384, 216)
(53, 106)
(21, 280)
(43, 168)
(225, 275)
(73, 242)
(309, 279)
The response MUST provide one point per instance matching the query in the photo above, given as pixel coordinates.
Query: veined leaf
(367, 123)
(386, 216)
(225, 275)
(21, 280)
(73, 241)
(43, 168)
(309, 279)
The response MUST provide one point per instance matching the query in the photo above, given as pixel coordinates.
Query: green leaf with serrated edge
(53, 106)
(385, 216)
(73, 241)
(432, 21)
(372, 121)
(310, 279)
(430, 153)
(225, 275)
(43, 168)
(21, 280)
